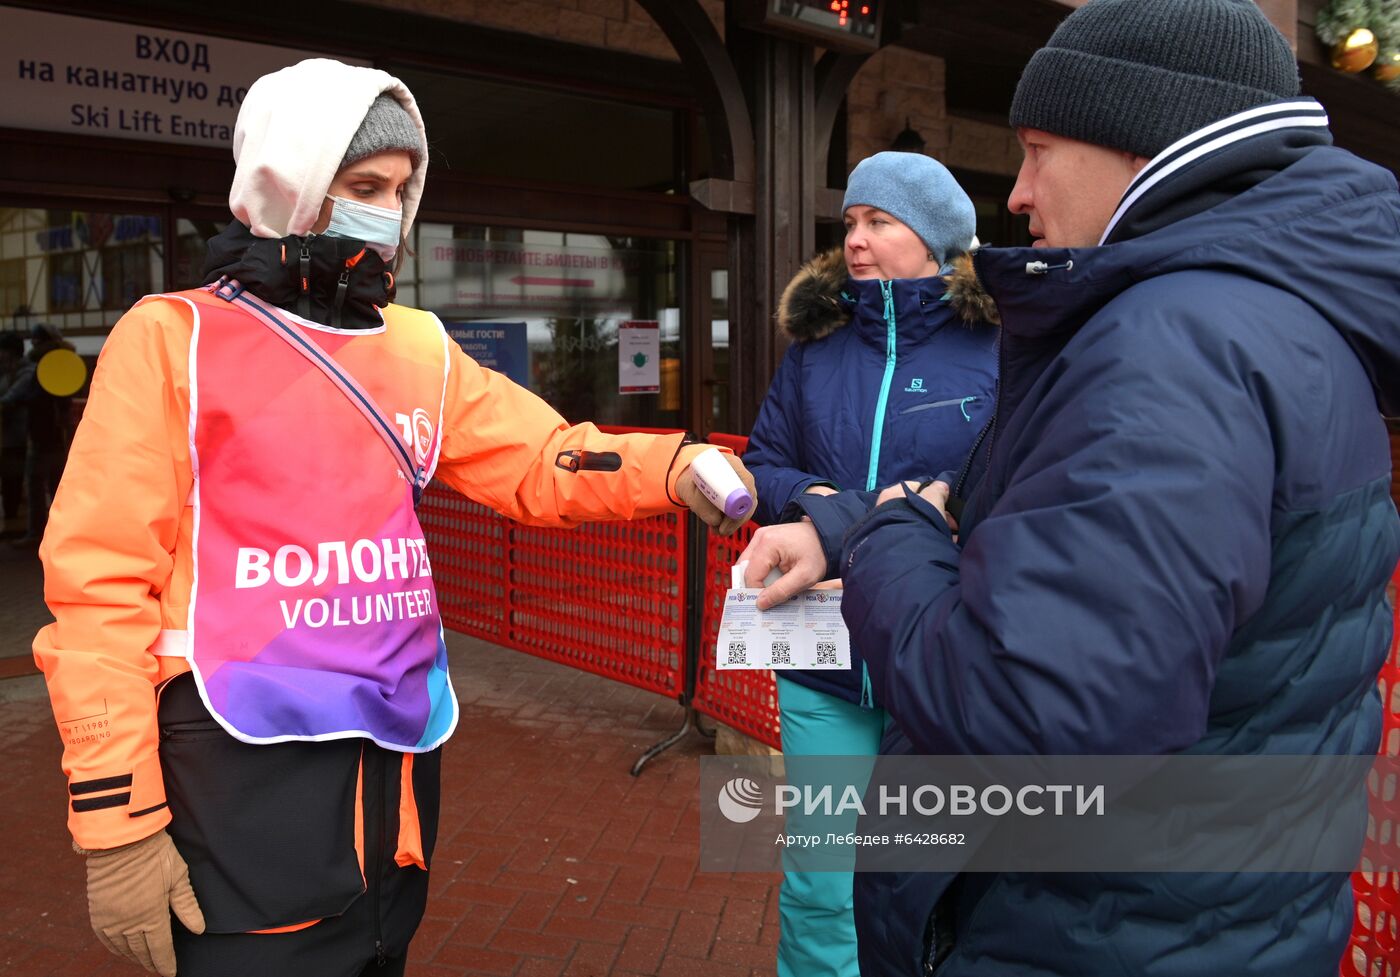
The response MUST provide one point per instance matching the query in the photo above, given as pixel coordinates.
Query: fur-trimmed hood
(812, 306)
(967, 294)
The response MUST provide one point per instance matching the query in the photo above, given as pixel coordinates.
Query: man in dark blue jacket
(1178, 528)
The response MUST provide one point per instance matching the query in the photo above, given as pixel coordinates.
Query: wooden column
(770, 107)
(693, 35)
(779, 80)
(770, 131)
(729, 189)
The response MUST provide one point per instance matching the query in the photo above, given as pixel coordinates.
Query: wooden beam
(765, 250)
(1002, 35)
(982, 34)
(829, 201)
(1360, 113)
(693, 35)
(723, 196)
(391, 36)
(728, 197)
(1310, 50)
(834, 75)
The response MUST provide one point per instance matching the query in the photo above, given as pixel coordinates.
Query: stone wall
(894, 86)
(899, 87)
(982, 146)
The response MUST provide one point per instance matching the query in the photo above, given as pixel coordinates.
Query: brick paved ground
(552, 859)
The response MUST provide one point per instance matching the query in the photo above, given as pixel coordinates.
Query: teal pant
(818, 934)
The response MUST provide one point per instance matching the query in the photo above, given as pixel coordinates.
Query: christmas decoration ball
(1387, 68)
(1356, 52)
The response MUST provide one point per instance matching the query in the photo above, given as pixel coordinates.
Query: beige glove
(131, 891)
(710, 514)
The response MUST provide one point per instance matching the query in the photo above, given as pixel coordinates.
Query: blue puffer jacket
(1179, 542)
(883, 381)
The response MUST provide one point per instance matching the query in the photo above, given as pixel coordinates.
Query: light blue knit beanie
(919, 191)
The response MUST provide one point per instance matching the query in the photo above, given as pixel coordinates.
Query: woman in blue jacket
(886, 379)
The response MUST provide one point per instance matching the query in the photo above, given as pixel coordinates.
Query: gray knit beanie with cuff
(920, 192)
(387, 125)
(1138, 75)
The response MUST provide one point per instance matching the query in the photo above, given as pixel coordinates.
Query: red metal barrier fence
(743, 700)
(608, 597)
(1375, 943)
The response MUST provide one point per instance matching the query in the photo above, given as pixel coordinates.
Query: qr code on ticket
(826, 653)
(782, 653)
(738, 653)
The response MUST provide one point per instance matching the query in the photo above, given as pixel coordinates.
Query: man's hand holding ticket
(805, 632)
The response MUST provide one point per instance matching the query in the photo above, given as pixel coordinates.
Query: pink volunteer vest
(313, 614)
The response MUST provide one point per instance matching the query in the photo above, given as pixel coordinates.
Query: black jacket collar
(346, 286)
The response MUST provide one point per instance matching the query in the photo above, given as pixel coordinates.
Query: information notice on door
(639, 356)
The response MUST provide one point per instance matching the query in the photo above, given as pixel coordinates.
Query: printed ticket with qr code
(806, 632)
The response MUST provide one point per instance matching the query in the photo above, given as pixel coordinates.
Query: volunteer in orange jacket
(247, 665)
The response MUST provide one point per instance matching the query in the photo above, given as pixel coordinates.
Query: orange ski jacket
(117, 553)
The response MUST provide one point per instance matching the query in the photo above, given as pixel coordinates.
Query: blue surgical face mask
(378, 227)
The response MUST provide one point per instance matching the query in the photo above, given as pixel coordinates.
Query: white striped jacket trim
(1298, 112)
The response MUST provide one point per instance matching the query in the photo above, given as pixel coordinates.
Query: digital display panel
(852, 25)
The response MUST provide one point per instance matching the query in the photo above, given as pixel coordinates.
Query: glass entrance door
(77, 269)
(590, 322)
(712, 378)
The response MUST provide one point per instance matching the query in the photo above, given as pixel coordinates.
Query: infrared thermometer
(720, 484)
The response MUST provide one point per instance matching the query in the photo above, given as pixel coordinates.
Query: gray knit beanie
(387, 125)
(1138, 75)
